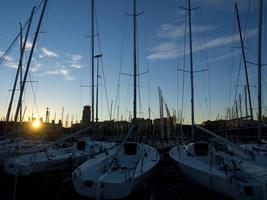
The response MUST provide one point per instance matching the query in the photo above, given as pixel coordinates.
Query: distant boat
(52, 159)
(116, 175)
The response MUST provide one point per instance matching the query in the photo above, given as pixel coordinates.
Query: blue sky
(61, 62)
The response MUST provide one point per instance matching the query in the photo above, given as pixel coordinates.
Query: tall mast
(244, 60)
(92, 55)
(97, 77)
(134, 62)
(260, 7)
(191, 70)
(29, 60)
(20, 70)
(246, 104)
(19, 66)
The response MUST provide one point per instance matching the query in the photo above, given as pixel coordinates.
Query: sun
(36, 124)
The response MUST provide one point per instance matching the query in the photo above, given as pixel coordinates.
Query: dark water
(165, 183)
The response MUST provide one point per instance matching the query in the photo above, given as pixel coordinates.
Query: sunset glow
(36, 124)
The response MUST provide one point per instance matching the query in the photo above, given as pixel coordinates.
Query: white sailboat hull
(217, 181)
(64, 163)
(50, 160)
(111, 190)
(93, 179)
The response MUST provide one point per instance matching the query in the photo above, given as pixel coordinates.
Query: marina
(177, 140)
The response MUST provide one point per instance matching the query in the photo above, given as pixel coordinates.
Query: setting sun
(36, 123)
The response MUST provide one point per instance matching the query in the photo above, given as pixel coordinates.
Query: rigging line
(146, 61)
(204, 39)
(4, 60)
(18, 35)
(247, 19)
(117, 99)
(239, 71)
(184, 63)
(238, 79)
(264, 85)
(201, 108)
(199, 39)
(127, 94)
(7, 96)
(126, 40)
(101, 60)
(229, 102)
(34, 92)
(230, 80)
(138, 70)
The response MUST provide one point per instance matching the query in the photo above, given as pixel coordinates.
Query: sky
(60, 72)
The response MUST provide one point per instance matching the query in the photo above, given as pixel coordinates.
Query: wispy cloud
(76, 57)
(36, 68)
(223, 41)
(11, 64)
(47, 53)
(165, 50)
(172, 31)
(28, 45)
(7, 58)
(169, 50)
(9, 61)
(61, 72)
(75, 60)
(224, 56)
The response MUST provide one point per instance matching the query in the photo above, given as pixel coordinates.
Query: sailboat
(261, 147)
(116, 175)
(232, 175)
(18, 146)
(54, 159)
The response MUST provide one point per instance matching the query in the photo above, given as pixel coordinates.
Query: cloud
(47, 53)
(28, 45)
(62, 72)
(223, 41)
(169, 50)
(76, 65)
(36, 68)
(76, 57)
(224, 56)
(7, 58)
(165, 50)
(172, 31)
(75, 60)
(11, 64)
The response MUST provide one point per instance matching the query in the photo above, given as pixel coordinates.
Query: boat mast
(191, 71)
(244, 60)
(20, 70)
(97, 77)
(19, 66)
(92, 55)
(29, 60)
(134, 62)
(260, 7)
